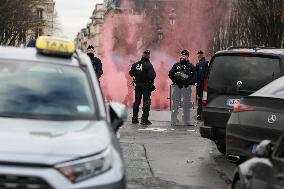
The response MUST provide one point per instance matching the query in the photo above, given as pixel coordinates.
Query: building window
(39, 32)
(156, 6)
(39, 13)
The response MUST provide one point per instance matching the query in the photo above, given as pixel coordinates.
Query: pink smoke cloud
(125, 36)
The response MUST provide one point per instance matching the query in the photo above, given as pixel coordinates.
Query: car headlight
(86, 168)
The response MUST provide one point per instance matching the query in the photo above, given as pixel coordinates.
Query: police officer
(183, 76)
(201, 70)
(144, 75)
(32, 42)
(97, 63)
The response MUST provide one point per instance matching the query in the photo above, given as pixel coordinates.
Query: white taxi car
(55, 131)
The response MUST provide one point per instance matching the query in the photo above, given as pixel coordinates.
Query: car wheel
(221, 148)
(237, 185)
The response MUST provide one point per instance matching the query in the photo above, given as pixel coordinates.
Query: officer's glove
(178, 74)
(184, 76)
(152, 86)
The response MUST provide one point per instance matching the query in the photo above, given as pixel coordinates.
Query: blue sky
(74, 15)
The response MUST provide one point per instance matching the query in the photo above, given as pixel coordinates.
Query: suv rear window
(252, 71)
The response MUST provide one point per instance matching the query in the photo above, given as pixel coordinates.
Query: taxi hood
(50, 142)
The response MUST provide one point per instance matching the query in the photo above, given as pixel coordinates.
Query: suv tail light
(242, 108)
(205, 90)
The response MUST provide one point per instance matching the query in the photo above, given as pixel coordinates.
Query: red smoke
(126, 35)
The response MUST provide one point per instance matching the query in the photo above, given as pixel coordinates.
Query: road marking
(191, 130)
(153, 129)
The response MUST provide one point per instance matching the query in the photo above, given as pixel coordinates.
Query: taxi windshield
(44, 91)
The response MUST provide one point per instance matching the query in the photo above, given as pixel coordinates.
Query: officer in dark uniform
(32, 42)
(201, 70)
(97, 63)
(144, 75)
(183, 76)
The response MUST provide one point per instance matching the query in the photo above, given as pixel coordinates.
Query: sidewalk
(162, 116)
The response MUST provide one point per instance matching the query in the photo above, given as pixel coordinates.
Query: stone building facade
(90, 35)
(44, 13)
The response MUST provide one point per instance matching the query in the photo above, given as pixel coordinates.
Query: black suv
(233, 74)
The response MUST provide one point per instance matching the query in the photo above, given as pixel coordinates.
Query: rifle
(133, 82)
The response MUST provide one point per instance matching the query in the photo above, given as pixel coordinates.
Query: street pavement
(166, 157)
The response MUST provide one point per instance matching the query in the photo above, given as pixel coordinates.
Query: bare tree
(17, 17)
(57, 26)
(252, 23)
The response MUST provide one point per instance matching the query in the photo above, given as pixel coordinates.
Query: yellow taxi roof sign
(55, 46)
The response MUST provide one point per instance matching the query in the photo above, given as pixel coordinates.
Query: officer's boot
(144, 118)
(146, 110)
(135, 120)
(145, 122)
(135, 116)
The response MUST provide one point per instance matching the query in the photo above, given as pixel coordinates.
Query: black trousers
(142, 90)
(199, 93)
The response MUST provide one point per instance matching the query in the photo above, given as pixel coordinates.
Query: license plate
(253, 151)
(232, 102)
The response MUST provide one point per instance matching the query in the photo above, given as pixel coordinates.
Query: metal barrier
(177, 105)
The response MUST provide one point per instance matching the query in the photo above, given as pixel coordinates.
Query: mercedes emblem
(272, 119)
(239, 84)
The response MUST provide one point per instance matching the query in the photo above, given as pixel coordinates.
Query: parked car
(265, 171)
(56, 131)
(233, 74)
(257, 117)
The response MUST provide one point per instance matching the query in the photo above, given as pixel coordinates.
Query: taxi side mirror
(264, 149)
(118, 114)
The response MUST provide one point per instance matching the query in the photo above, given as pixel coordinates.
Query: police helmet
(185, 52)
(200, 52)
(90, 47)
(147, 52)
